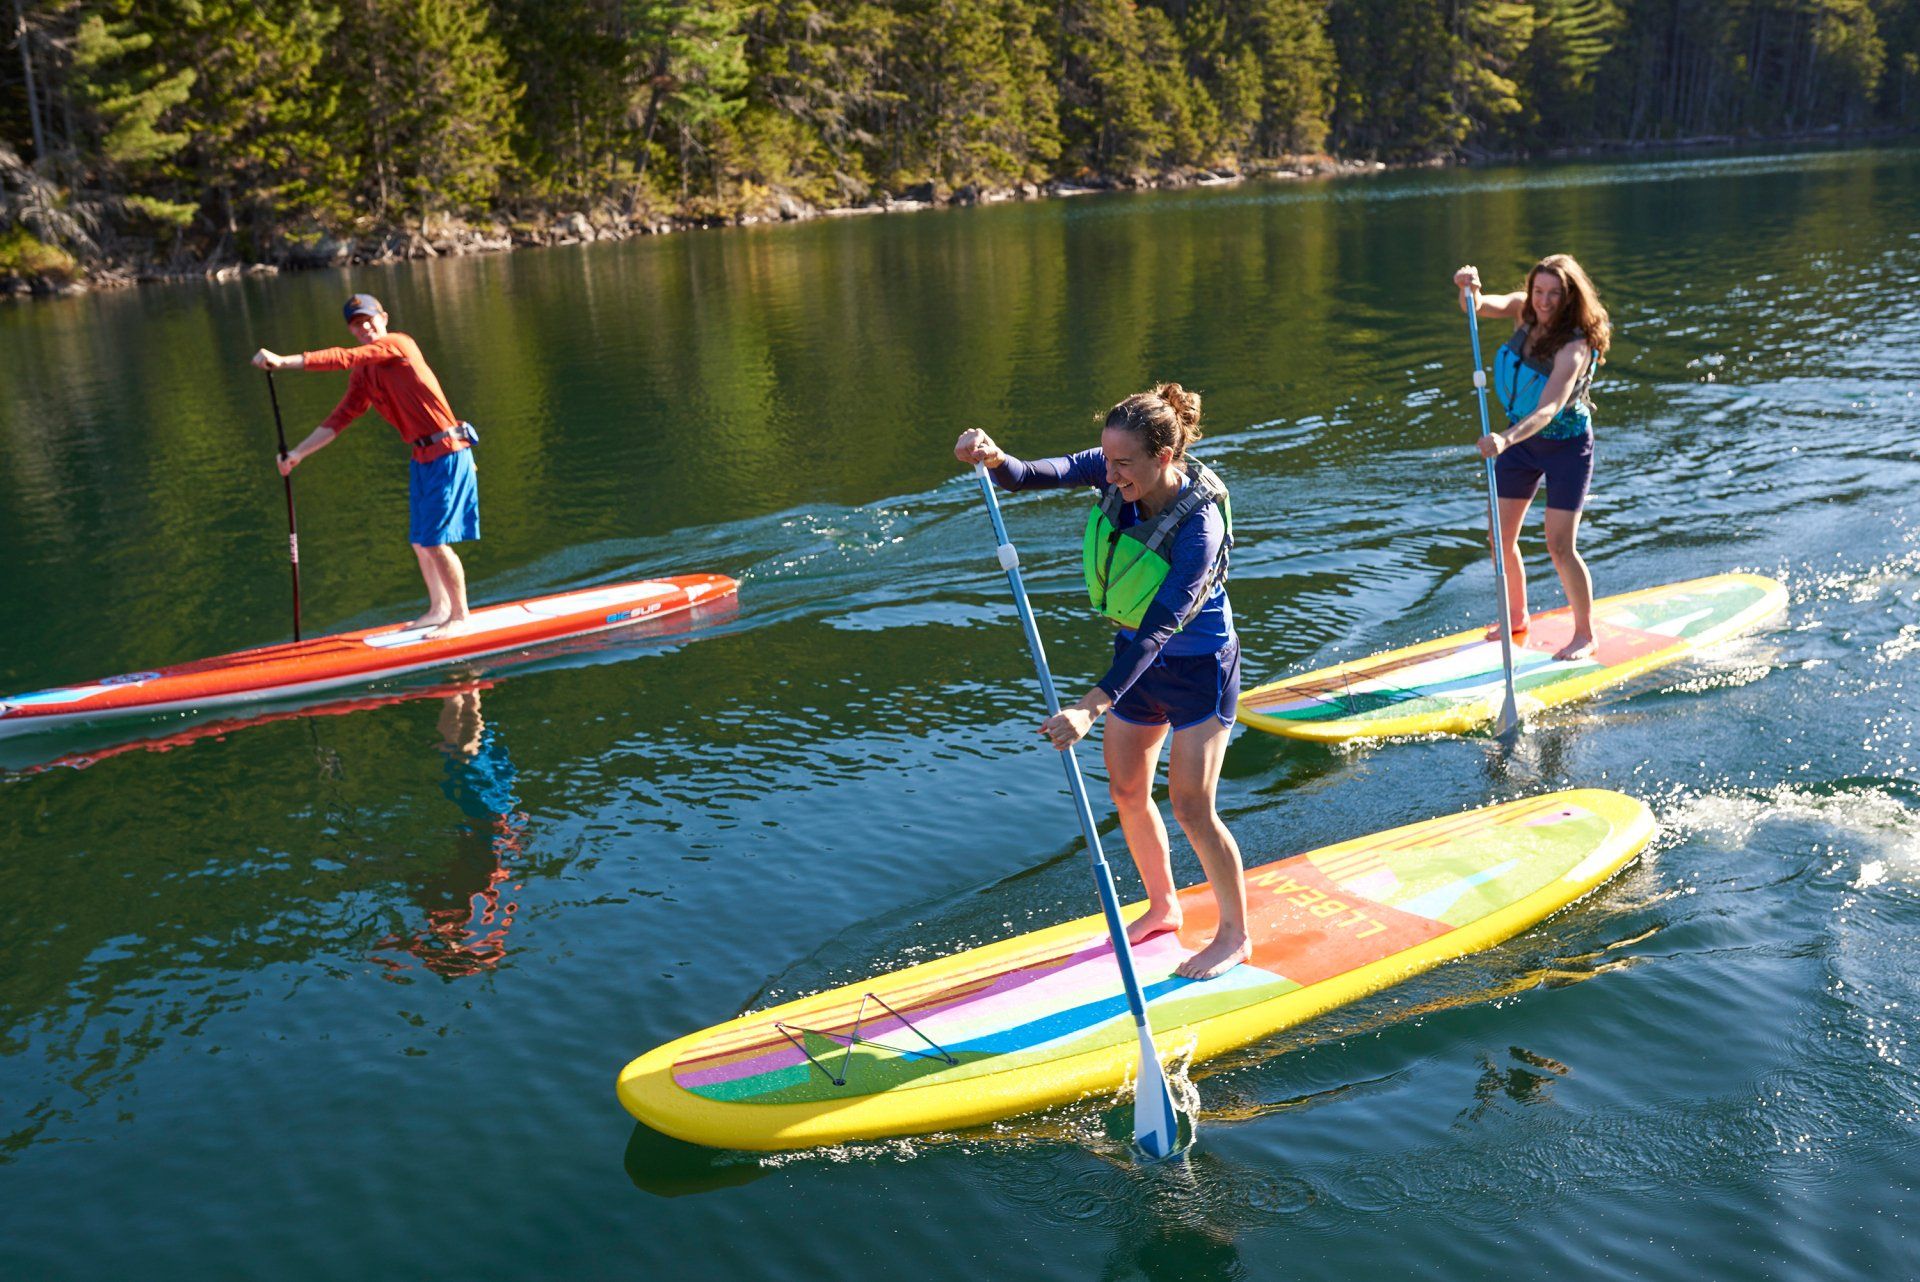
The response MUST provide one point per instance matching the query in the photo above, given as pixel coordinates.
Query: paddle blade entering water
(1156, 1127)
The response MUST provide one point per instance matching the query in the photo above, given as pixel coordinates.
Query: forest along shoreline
(171, 142)
(455, 237)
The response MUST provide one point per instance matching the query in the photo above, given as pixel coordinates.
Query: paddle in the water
(293, 528)
(1509, 717)
(1155, 1120)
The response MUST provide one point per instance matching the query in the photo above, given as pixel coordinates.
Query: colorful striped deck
(1455, 684)
(1039, 1020)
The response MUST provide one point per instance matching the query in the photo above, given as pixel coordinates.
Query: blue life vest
(1519, 380)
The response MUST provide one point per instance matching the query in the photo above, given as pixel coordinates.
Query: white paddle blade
(1156, 1129)
(1509, 718)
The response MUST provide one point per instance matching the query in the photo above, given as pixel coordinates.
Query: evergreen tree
(826, 64)
(973, 106)
(1298, 72)
(691, 73)
(1899, 25)
(426, 96)
(1105, 88)
(1395, 95)
(1849, 59)
(1177, 102)
(1560, 71)
(261, 152)
(571, 62)
(1489, 36)
(120, 102)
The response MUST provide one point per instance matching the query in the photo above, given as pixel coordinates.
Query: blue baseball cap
(363, 305)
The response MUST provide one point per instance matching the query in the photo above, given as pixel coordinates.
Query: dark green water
(326, 995)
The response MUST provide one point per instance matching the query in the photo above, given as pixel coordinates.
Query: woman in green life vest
(1155, 558)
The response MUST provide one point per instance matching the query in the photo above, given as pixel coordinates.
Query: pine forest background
(249, 130)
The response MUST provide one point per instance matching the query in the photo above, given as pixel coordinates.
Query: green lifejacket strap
(1125, 568)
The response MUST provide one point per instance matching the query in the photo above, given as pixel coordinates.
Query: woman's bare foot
(1519, 630)
(1580, 647)
(1217, 958)
(1154, 921)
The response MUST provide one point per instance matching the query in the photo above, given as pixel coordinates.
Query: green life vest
(1125, 567)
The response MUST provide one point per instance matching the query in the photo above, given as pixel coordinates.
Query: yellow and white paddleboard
(1456, 684)
(1039, 1020)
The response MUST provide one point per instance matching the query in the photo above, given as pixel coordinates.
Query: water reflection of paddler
(471, 936)
(1156, 564)
(1542, 376)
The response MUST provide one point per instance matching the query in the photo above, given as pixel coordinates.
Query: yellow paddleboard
(1039, 1020)
(1456, 684)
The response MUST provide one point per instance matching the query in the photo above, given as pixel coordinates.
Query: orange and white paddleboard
(298, 668)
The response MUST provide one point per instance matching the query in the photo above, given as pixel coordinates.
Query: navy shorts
(443, 501)
(1182, 690)
(1566, 466)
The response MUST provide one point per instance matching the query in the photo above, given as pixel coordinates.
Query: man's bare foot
(1217, 958)
(431, 619)
(1519, 630)
(1580, 647)
(449, 628)
(1154, 921)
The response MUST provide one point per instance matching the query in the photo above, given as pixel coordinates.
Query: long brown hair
(1167, 418)
(1581, 310)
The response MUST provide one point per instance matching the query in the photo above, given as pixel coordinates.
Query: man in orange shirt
(386, 372)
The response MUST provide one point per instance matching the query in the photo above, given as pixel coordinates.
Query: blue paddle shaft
(1102, 871)
(1509, 714)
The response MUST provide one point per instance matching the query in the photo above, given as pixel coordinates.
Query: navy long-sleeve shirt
(1195, 548)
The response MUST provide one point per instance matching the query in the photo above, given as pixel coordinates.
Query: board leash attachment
(1508, 719)
(293, 527)
(1156, 1128)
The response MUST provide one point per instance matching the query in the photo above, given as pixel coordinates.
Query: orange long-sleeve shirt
(390, 375)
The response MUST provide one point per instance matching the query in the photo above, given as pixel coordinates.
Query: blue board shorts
(1182, 690)
(443, 501)
(1566, 466)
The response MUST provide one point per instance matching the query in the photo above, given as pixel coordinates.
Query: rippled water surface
(343, 992)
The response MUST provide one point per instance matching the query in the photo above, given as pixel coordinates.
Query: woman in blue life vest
(1155, 556)
(1542, 376)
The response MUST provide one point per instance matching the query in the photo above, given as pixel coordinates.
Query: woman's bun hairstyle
(1167, 418)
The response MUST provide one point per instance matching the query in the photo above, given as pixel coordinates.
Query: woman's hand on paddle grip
(975, 446)
(1071, 724)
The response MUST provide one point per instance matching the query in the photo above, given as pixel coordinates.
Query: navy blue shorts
(443, 501)
(1566, 466)
(1183, 690)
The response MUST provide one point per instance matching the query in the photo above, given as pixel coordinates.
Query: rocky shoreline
(458, 238)
(454, 238)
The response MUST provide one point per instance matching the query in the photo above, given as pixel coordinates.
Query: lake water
(345, 992)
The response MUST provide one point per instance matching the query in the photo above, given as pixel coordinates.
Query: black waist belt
(460, 431)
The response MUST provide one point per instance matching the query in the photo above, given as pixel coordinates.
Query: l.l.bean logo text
(1318, 903)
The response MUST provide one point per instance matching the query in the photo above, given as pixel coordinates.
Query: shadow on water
(665, 1167)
